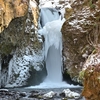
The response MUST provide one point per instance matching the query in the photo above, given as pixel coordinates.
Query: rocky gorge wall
(78, 32)
(21, 52)
(10, 10)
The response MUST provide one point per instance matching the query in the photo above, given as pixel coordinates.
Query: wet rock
(34, 94)
(23, 94)
(62, 94)
(10, 95)
(64, 99)
(10, 10)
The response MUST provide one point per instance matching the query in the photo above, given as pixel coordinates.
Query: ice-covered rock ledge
(21, 64)
(20, 45)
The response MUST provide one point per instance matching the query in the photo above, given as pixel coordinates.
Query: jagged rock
(23, 94)
(76, 31)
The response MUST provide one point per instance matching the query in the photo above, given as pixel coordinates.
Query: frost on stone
(20, 65)
(70, 94)
(55, 3)
(93, 59)
(49, 94)
(81, 18)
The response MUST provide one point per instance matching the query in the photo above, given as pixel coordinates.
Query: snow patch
(49, 94)
(92, 60)
(71, 94)
(54, 3)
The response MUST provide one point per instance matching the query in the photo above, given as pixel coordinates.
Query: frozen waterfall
(52, 23)
(48, 15)
(51, 30)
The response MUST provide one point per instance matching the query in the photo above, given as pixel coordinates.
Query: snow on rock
(70, 94)
(20, 65)
(55, 3)
(49, 94)
(58, 4)
(4, 90)
(93, 59)
(81, 19)
(80, 24)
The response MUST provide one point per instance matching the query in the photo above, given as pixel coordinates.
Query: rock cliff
(77, 31)
(11, 9)
(21, 54)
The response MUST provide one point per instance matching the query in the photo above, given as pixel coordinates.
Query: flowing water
(53, 64)
(51, 30)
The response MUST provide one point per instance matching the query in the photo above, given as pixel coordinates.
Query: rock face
(11, 9)
(91, 70)
(77, 31)
(21, 55)
(91, 77)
